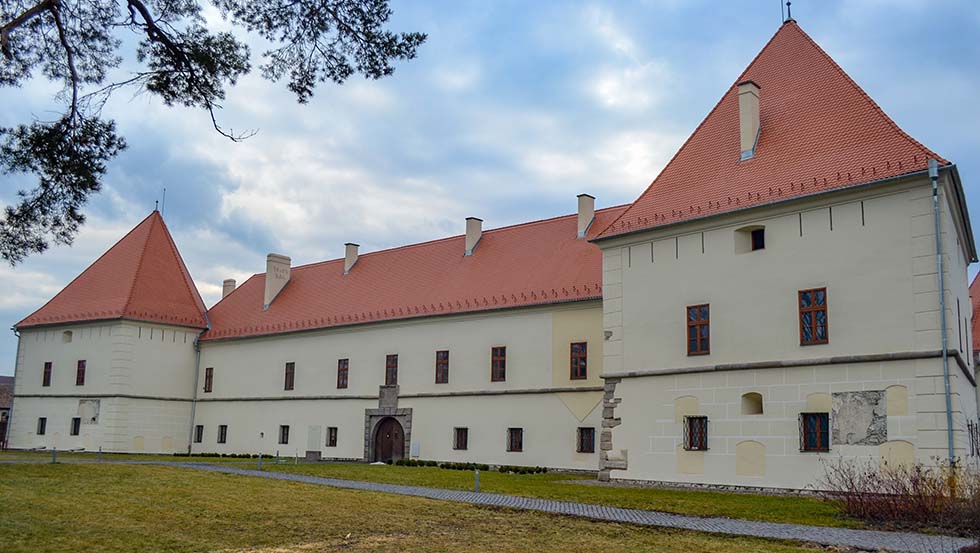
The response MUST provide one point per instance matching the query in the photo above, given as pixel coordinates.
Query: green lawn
(123, 508)
(800, 510)
(45, 455)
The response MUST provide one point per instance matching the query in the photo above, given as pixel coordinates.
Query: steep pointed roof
(141, 277)
(819, 132)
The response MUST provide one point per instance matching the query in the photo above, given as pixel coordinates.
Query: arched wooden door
(389, 441)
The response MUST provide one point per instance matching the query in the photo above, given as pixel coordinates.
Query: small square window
(461, 438)
(331, 436)
(814, 432)
(76, 426)
(759, 239)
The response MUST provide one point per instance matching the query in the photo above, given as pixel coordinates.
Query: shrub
(919, 496)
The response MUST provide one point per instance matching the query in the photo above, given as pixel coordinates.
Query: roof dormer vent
(748, 118)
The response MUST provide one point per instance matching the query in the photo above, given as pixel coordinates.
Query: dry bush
(936, 496)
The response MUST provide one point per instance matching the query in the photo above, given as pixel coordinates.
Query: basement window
(696, 433)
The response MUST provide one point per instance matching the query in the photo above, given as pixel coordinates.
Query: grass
(45, 455)
(123, 508)
(799, 510)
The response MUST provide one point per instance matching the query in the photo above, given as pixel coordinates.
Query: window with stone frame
(461, 437)
(585, 442)
(579, 361)
(696, 433)
(331, 436)
(815, 432)
(813, 317)
(442, 367)
(391, 370)
(342, 371)
(498, 364)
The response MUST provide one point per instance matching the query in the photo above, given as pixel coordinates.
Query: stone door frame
(387, 407)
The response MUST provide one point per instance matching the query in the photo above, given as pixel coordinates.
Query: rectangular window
(76, 426)
(208, 379)
(814, 432)
(198, 433)
(461, 438)
(391, 370)
(442, 367)
(46, 377)
(586, 440)
(331, 436)
(290, 376)
(813, 317)
(284, 434)
(342, 366)
(759, 239)
(498, 364)
(579, 361)
(515, 439)
(222, 433)
(80, 373)
(696, 433)
(42, 425)
(698, 333)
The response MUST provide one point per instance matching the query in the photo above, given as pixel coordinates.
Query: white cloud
(635, 87)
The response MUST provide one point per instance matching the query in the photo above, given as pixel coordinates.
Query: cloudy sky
(510, 110)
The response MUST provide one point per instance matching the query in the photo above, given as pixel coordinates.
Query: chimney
(748, 117)
(474, 231)
(227, 287)
(586, 213)
(350, 256)
(276, 276)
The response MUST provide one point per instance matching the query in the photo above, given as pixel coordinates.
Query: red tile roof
(820, 132)
(523, 265)
(975, 318)
(141, 277)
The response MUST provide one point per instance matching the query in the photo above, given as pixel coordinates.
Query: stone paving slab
(872, 540)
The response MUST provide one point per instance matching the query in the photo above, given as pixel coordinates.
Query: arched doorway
(389, 441)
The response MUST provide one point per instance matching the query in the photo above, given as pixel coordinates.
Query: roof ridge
(454, 237)
(139, 264)
(696, 129)
(79, 275)
(185, 272)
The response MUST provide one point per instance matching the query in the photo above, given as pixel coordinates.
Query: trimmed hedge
(228, 455)
(469, 466)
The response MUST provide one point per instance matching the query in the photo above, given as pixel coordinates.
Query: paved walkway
(860, 539)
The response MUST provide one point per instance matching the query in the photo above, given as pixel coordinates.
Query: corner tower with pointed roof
(115, 351)
(772, 297)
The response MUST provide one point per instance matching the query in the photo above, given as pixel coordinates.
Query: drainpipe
(197, 376)
(934, 177)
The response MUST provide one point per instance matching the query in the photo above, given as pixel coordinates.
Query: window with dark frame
(284, 434)
(290, 381)
(76, 426)
(442, 367)
(222, 433)
(391, 369)
(698, 330)
(331, 436)
(696, 433)
(461, 437)
(579, 360)
(498, 364)
(208, 379)
(759, 239)
(813, 317)
(515, 439)
(80, 373)
(42, 425)
(815, 432)
(342, 366)
(198, 433)
(46, 376)
(586, 440)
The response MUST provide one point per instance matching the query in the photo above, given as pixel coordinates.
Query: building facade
(771, 303)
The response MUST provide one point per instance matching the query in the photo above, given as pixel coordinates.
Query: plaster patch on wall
(750, 458)
(898, 400)
(88, 410)
(859, 418)
(689, 462)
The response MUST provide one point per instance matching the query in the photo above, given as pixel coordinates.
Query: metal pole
(54, 455)
(100, 454)
(260, 461)
(934, 177)
(476, 485)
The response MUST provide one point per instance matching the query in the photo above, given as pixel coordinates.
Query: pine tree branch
(18, 21)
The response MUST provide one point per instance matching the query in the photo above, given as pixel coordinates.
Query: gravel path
(861, 539)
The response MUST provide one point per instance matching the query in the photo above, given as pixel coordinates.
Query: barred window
(814, 432)
(696, 433)
(813, 317)
(586, 440)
